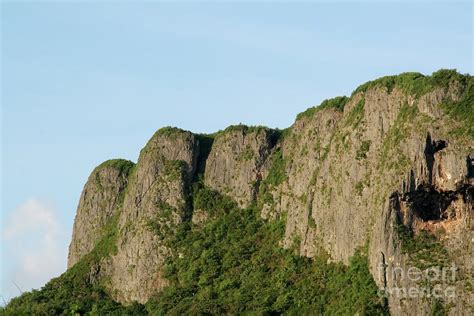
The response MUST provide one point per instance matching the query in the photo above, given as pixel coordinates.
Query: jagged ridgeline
(313, 219)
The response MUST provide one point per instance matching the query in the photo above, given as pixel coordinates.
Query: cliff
(387, 173)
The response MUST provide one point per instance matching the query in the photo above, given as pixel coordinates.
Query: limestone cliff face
(345, 167)
(100, 200)
(342, 166)
(156, 201)
(367, 171)
(235, 163)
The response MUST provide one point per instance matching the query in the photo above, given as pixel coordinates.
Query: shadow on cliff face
(427, 204)
(426, 207)
(432, 147)
(470, 166)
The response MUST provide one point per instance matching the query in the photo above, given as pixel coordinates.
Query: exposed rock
(342, 167)
(393, 266)
(100, 200)
(156, 201)
(378, 170)
(234, 165)
(199, 217)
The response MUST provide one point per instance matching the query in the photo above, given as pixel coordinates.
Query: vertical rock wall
(235, 163)
(346, 175)
(156, 202)
(100, 200)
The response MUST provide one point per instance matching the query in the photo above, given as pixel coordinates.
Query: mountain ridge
(356, 177)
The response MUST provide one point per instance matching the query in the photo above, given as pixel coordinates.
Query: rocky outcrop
(343, 167)
(100, 200)
(389, 169)
(416, 255)
(234, 166)
(156, 201)
(142, 205)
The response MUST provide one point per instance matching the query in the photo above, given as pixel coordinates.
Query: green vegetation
(336, 103)
(65, 296)
(175, 169)
(276, 175)
(463, 110)
(98, 183)
(75, 291)
(363, 149)
(122, 165)
(246, 155)
(423, 249)
(242, 128)
(211, 201)
(438, 309)
(414, 83)
(233, 265)
(359, 187)
(162, 223)
(277, 172)
(355, 116)
(397, 132)
(169, 131)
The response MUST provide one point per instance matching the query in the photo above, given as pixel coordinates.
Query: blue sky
(85, 82)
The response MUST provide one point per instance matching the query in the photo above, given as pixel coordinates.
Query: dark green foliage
(170, 131)
(359, 187)
(279, 135)
(61, 297)
(233, 265)
(98, 183)
(437, 308)
(162, 223)
(355, 116)
(246, 155)
(165, 210)
(73, 292)
(414, 83)
(463, 110)
(175, 169)
(397, 132)
(336, 103)
(211, 201)
(122, 165)
(242, 128)
(363, 149)
(277, 173)
(423, 249)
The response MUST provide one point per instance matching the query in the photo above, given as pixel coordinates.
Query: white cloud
(34, 247)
